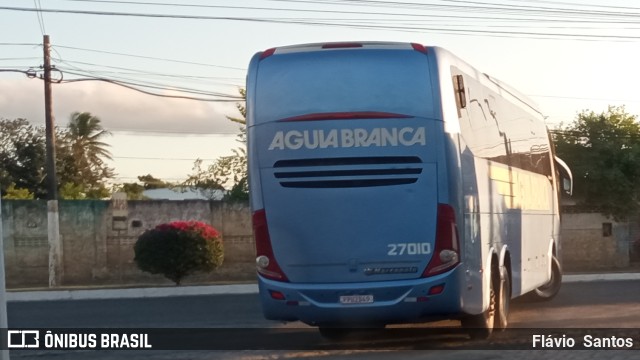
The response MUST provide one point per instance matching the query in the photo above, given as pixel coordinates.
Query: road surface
(600, 304)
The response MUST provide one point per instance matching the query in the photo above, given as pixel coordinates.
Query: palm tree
(84, 154)
(85, 132)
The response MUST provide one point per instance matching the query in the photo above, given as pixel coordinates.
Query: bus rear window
(295, 84)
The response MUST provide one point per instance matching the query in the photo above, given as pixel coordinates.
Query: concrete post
(4, 354)
(56, 264)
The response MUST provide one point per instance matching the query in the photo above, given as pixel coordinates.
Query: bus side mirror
(567, 186)
(565, 175)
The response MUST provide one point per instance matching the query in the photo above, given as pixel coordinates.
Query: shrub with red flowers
(178, 249)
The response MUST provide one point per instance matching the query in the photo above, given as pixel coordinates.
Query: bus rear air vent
(349, 172)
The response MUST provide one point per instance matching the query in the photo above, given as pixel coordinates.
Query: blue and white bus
(394, 183)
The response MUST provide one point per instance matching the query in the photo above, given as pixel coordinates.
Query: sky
(567, 56)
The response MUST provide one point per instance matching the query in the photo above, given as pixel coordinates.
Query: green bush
(178, 249)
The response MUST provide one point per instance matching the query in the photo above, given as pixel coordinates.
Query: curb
(600, 277)
(238, 289)
(133, 293)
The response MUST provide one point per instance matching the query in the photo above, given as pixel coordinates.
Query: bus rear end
(351, 216)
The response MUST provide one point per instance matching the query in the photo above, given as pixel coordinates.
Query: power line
(599, 136)
(142, 72)
(173, 132)
(152, 132)
(19, 44)
(136, 72)
(474, 6)
(135, 178)
(334, 11)
(39, 14)
(422, 16)
(476, 32)
(91, 74)
(583, 98)
(160, 158)
(576, 4)
(466, 4)
(150, 57)
(531, 7)
(136, 85)
(154, 85)
(20, 58)
(30, 73)
(133, 87)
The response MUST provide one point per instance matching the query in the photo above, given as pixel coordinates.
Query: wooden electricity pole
(52, 186)
(53, 227)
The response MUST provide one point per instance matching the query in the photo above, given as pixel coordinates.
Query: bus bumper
(384, 302)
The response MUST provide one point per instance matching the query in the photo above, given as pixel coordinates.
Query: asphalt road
(611, 304)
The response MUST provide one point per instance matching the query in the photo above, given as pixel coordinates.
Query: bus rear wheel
(549, 290)
(481, 326)
(504, 302)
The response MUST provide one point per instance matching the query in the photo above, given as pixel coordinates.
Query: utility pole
(52, 186)
(53, 228)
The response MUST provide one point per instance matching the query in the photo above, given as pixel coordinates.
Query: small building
(183, 193)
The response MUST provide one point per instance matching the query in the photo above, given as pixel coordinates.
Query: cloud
(118, 108)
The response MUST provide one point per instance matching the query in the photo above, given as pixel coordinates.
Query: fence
(98, 236)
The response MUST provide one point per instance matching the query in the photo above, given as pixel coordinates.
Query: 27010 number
(409, 249)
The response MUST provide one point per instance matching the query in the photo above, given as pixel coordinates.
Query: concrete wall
(592, 242)
(98, 241)
(98, 238)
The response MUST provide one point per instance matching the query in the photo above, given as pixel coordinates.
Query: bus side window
(460, 95)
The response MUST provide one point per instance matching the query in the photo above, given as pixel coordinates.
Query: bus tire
(504, 301)
(481, 326)
(549, 290)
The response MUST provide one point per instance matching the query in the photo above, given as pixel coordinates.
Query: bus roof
(487, 80)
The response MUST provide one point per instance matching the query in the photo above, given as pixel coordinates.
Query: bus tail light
(265, 54)
(266, 263)
(277, 295)
(419, 47)
(446, 254)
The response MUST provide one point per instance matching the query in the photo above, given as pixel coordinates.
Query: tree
(206, 181)
(83, 155)
(242, 109)
(80, 156)
(149, 182)
(178, 249)
(226, 170)
(22, 157)
(603, 152)
(133, 190)
(85, 133)
(14, 193)
(71, 191)
(237, 163)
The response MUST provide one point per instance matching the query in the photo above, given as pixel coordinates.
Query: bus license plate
(356, 299)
